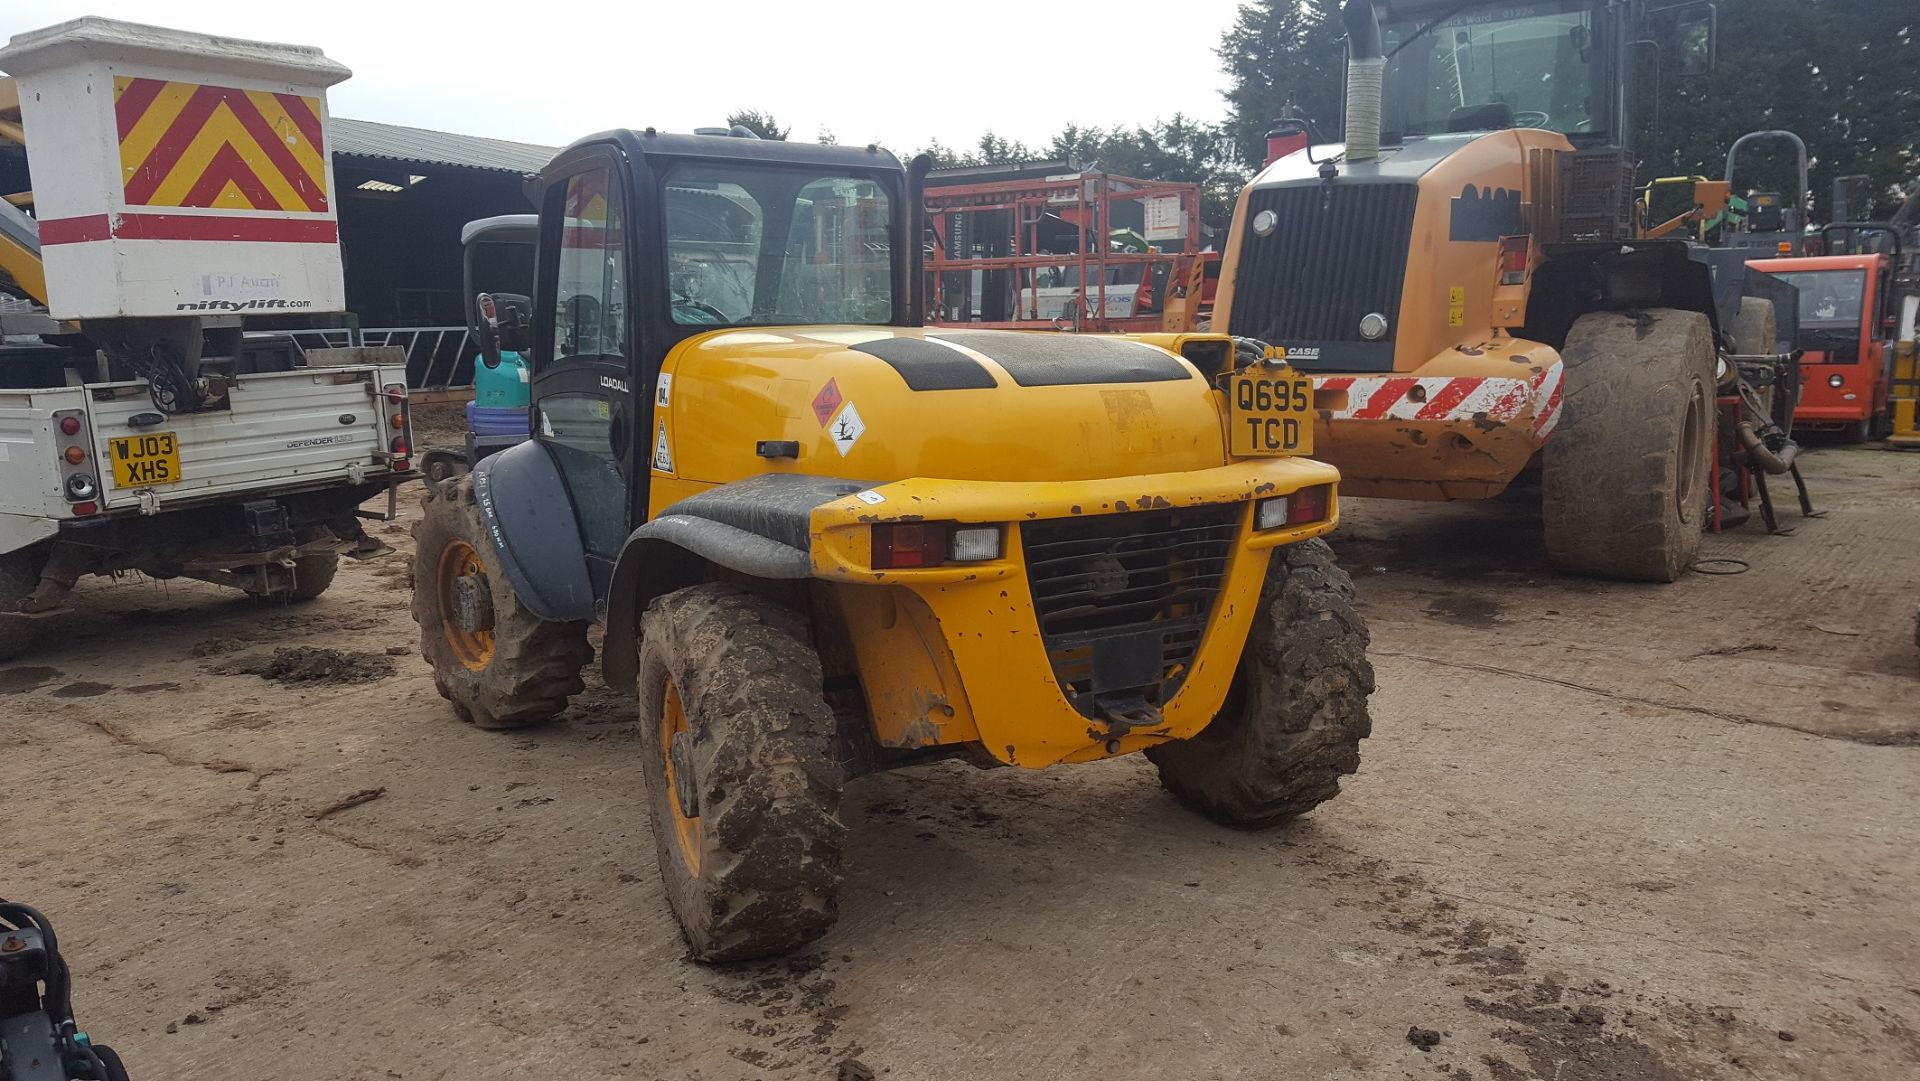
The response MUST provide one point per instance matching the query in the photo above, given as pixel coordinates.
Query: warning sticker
(1456, 306)
(662, 453)
(825, 402)
(664, 394)
(870, 498)
(847, 429)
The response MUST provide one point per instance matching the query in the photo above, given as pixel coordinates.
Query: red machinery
(1054, 245)
(1844, 334)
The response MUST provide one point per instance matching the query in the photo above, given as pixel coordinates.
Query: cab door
(586, 337)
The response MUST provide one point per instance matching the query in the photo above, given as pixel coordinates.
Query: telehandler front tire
(1624, 482)
(522, 669)
(1297, 711)
(742, 781)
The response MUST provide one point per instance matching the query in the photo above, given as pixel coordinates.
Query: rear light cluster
(79, 481)
(1513, 259)
(931, 544)
(394, 408)
(1306, 506)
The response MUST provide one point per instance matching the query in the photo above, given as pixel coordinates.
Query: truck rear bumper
(1436, 433)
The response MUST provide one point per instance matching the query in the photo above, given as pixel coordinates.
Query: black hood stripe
(929, 365)
(1059, 360)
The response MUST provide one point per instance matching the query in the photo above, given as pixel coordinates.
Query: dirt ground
(1600, 832)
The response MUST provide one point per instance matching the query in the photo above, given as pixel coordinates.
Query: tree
(1179, 149)
(761, 124)
(1282, 56)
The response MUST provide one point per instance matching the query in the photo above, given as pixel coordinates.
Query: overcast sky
(901, 73)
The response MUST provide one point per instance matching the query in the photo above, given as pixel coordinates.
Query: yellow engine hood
(886, 403)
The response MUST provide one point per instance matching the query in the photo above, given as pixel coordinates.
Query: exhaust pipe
(1366, 72)
(1773, 463)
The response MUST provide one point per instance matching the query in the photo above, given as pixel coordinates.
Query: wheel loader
(1466, 285)
(824, 539)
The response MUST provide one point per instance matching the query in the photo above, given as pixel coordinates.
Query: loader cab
(1566, 66)
(646, 240)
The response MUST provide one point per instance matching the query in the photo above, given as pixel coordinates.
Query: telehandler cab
(824, 540)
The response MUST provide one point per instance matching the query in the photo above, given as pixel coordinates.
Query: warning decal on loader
(185, 144)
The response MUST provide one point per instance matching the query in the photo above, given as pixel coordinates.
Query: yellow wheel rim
(686, 829)
(473, 648)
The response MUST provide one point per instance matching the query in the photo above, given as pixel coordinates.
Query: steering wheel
(712, 313)
(1530, 118)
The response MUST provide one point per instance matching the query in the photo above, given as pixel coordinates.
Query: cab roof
(649, 142)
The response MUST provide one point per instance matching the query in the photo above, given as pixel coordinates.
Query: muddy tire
(1753, 328)
(1624, 486)
(522, 670)
(19, 576)
(742, 780)
(1297, 711)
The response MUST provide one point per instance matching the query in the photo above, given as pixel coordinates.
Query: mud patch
(82, 689)
(149, 688)
(312, 665)
(1466, 610)
(796, 1018)
(23, 679)
(215, 647)
(1568, 1043)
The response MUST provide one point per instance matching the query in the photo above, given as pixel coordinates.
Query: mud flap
(530, 521)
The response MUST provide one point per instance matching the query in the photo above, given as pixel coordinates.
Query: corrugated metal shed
(391, 142)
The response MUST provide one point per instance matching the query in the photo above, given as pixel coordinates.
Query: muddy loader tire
(1624, 485)
(19, 576)
(1294, 718)
(742, 780)
(518, 673)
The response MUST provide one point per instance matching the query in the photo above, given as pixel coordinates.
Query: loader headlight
(1836, 380)
(82, 486)
(1300, 508)
(931, 544)
(1373, 326)
(1264, 222)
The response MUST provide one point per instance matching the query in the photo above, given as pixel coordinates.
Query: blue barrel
(488, 421)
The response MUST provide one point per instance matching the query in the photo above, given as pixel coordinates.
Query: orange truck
(1846, 333)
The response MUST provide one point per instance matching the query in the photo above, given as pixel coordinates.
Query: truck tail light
(1513, 259)
(394, 402)
(69, 425)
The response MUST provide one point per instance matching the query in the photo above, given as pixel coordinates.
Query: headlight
(1836, 380)
(1264, 222)
(82, 486)
(1300, 508)
(1373, 326)
(974, 543)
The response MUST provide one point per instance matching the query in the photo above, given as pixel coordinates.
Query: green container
(503, 386)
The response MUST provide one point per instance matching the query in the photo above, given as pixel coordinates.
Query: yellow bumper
(955, 654)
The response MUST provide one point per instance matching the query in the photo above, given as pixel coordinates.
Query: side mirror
(1694, 27)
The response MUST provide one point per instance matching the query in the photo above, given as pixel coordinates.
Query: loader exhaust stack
(1366, 73)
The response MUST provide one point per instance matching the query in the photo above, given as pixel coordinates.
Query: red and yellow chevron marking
(185, 144)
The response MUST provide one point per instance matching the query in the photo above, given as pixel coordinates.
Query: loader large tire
(1297, 711)
(523, 670)
(19, 576)
(742, 779)
(1624, 482)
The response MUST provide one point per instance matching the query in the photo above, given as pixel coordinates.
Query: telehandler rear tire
(523, 670)
(1297, 710)
(742, 780)
(1624, 482)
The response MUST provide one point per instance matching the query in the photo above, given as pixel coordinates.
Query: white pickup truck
(259, 490)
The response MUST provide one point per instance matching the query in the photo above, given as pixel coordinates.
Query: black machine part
(39, 1039)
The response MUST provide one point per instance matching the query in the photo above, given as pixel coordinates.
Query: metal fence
(437, 357)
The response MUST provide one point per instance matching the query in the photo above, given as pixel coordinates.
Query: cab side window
(590, 318)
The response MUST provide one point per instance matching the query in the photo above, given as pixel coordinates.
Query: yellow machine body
(1467, 402)
(954, 654)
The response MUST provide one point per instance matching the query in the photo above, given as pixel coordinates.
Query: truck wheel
(1297, 710)
(1625, 483)
(499, 664)
(742, 779)
(19, 576)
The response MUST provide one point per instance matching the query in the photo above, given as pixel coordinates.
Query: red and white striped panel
(1493, 398)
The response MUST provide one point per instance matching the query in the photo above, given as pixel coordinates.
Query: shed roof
(393, 142)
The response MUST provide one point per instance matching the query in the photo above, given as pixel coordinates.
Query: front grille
(1123, 599)
(1338, 252)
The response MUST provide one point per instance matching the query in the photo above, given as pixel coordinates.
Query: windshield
(772, 245)
(1829, 298)
(1525, 65)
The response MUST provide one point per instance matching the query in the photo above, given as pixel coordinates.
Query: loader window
(1535, 59)
(1829, 298)
(590, 319)
(777, 246)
